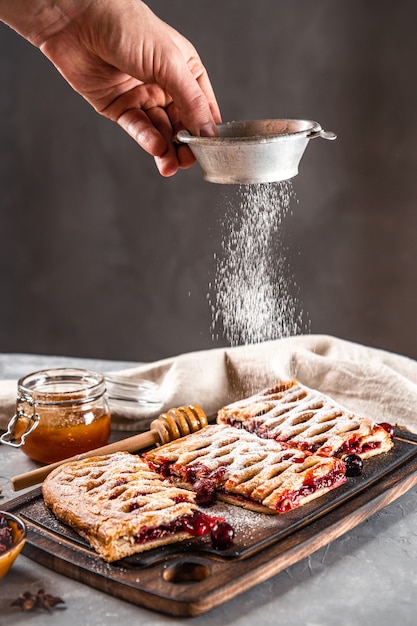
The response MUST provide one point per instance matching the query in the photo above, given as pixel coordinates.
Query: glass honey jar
(59, 413)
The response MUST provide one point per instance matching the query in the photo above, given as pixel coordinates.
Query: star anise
(41, 600)
(26, 601)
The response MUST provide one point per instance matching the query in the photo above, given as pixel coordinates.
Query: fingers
(152, 130)
(207, 89)
(197, 109)
(167, 166)
(185, 78)
(167, 162)
(149, 116)
(138, 125)
(138, 71)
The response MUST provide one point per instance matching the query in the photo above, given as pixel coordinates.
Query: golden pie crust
(295, 415)
(271, 452)
(118, 504)
(255, 473)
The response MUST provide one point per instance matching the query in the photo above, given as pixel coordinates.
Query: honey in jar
(60, 413)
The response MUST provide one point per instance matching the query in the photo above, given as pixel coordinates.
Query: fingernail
(208, 130)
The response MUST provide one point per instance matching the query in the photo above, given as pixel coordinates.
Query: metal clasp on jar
(21, 420)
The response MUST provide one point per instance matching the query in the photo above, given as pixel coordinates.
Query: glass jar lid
(61, 386)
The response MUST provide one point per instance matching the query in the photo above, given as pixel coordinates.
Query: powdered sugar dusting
(253, 296)
(248, 525)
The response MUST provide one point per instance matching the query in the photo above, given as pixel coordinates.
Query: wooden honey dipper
(171, 425)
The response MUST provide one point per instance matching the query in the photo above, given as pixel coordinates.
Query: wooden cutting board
(190, 578)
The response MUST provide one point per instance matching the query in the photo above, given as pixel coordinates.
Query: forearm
(37, 20)
(128, 64)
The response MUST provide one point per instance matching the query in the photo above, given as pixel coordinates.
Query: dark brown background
(101, 257)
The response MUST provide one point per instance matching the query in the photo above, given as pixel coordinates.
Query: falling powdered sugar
(252, 296)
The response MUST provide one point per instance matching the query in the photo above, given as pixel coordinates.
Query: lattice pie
(296, 416)
(272, 452)
(122, 507)
(247, 470)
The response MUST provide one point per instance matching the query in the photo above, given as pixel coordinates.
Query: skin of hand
(132, 67)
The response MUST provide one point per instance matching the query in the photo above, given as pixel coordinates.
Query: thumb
(190, 88)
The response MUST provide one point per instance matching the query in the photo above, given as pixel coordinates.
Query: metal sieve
(253, 151)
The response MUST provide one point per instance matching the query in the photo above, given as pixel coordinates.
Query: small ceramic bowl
(18, 538)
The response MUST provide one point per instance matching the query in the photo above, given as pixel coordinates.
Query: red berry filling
(291, 500)
(353, 446)
(195, 525)
(205, 491)
(389, 428)
(6, 535)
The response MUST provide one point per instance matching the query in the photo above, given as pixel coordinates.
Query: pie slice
(246, 470)
(295, 415)
(121, 507)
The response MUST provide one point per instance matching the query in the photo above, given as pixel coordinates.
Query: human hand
(132, 68)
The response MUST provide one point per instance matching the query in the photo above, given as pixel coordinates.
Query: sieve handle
(324, 134)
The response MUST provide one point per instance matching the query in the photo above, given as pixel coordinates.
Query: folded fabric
(8, 390)
(373, 382)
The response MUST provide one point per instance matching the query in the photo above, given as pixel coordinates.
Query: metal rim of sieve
(258, 132)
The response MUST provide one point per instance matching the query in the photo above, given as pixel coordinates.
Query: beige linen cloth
(379, 384)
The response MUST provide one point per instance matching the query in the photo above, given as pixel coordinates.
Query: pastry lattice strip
(295, 415)
(247, 470)
(119, 505)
